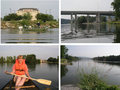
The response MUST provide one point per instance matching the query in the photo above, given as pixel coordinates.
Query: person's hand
(29, 77)
(5, 71)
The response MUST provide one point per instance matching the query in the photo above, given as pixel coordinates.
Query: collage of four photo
(60, 45)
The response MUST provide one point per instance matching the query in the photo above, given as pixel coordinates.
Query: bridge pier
(87, 18)
(76, 23)
(72, 23)
(98, 18)
(109, 19)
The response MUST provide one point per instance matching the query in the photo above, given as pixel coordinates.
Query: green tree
(44, 17)
(11, 17)
(103, 19)
(31, 59)
(116, 7)
(82, 19)
(64, 51)
(2, 59)
(27, 16)
(51, 59)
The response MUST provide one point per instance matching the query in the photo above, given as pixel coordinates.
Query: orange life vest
(20, 68)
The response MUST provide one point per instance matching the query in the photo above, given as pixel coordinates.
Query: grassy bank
(93, 82)
(16, 24)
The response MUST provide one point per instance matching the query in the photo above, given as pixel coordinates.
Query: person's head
(20, 58)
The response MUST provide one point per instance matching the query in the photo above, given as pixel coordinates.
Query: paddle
(42, 81)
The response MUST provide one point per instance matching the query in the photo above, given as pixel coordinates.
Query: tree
(64, 51)
(82, 19)
(44, 17)
(11, 17)
(51, 59)
(27, 16)
(31, 59)
(116, 7)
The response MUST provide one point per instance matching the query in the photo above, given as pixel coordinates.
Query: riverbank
(70, 87)
(16, 24)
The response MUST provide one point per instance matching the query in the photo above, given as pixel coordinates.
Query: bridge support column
(87, 18)
(72, 23)
(76, 23)
(98, 18)
(109, 19)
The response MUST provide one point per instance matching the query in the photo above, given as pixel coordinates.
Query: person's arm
(26, 72)
(13, 69)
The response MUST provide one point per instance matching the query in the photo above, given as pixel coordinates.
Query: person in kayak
(20, 68)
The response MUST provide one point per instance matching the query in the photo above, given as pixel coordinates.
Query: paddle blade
(43, 81)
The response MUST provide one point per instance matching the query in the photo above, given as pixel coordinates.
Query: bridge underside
(97, 13)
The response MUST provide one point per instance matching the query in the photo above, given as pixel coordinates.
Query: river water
(106, 72)
(91, 33)
(38, 71)
(17, 36)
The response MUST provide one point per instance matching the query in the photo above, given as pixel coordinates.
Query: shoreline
(32, 24)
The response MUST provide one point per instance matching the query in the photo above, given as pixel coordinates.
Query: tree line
(107, 58)
(30, 59)
(28, 16)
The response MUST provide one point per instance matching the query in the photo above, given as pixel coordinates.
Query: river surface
(91, 33)
(17, 36)
(38, 71)
(106, 72)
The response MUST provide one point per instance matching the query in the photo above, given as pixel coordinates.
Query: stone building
(32, 11)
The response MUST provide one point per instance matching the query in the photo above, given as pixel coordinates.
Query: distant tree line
(53, 60)
(30, 59)
(108, 58)
(65, 21)
(83, 19)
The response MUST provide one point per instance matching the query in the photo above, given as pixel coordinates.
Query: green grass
(93, 82)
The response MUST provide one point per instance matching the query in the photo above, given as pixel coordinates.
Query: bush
(25, 22)
(93, 82)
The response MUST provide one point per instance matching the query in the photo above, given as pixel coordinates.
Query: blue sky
(41, 52)
(93, 50)
(44, 6)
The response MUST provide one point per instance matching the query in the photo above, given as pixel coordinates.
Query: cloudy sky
(90, 5)
(42, 52)
(45, 6)
(85, 5)
(93, 50)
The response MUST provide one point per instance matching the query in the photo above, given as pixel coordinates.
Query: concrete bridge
(97, 13)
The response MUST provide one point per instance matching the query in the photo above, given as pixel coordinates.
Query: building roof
(29, 8)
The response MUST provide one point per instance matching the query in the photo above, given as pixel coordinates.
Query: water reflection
(109, 72)
(93, 32)
(64, 70)
(21, 36)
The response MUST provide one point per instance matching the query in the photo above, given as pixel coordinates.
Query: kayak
(28, 85)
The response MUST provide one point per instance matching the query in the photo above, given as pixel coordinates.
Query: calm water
(91, 33)
(107, 72)
(16, 36)
(38, 71)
